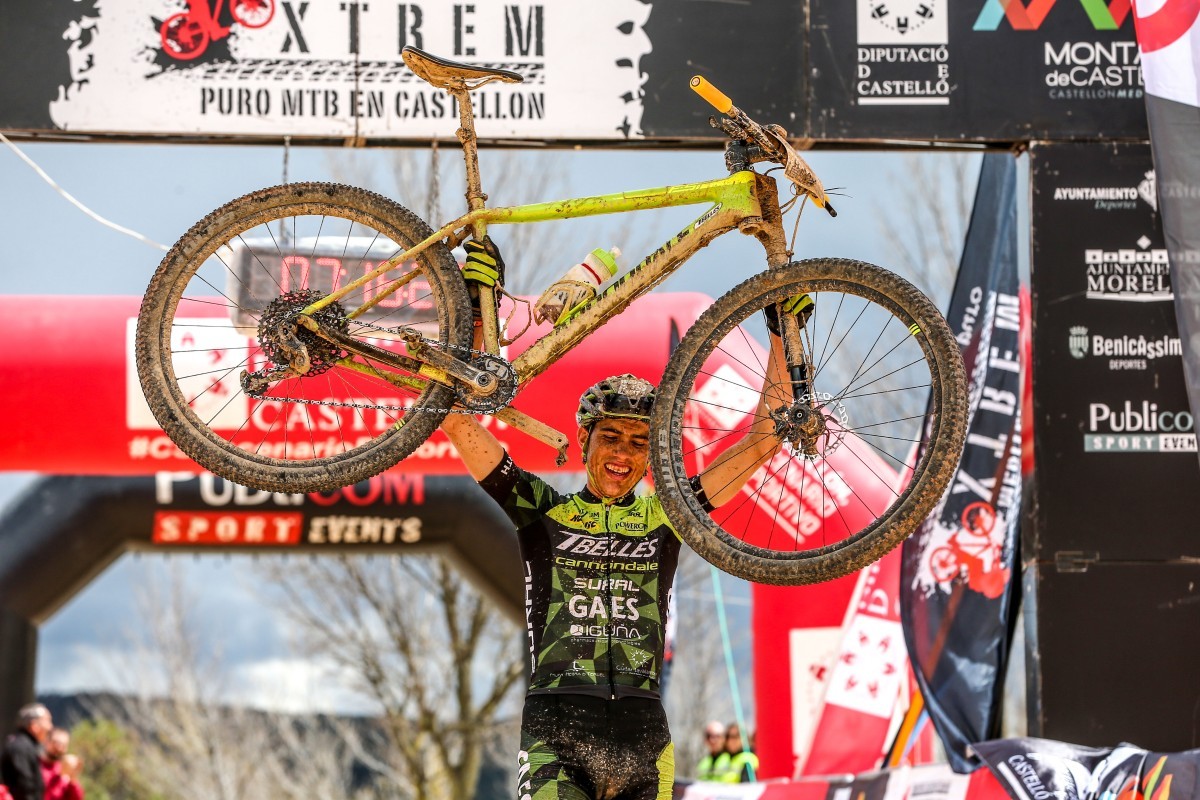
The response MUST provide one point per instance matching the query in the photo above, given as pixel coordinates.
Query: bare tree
(431, 183)
(927, 239)
(429, 651)
(190, 743)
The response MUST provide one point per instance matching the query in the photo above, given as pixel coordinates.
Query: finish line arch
(65, 530)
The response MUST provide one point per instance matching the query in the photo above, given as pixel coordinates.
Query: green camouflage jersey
(597, 582)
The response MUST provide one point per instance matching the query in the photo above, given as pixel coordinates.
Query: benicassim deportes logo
(1029, 16)
(1077, 340)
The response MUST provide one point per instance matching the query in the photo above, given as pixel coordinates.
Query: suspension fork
(769, 232)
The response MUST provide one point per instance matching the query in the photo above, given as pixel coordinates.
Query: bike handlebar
(715, 97)
(772, 142)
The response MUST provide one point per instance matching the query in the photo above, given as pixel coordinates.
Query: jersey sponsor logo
(608, 546)
(609, 584)
(618, 566)
(584, 606)
(605, 631)
(529, 618)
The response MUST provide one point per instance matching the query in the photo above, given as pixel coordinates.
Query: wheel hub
(813, 425)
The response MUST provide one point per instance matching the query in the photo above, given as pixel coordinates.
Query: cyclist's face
(616, 454)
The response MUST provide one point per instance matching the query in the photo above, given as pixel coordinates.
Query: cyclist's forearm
(479, 450)
(726, 476)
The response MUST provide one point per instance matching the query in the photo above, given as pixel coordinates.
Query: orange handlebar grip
(712, 94)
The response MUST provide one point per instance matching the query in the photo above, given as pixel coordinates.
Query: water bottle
(577, 285)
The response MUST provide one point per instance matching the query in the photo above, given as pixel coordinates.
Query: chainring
(505, 375)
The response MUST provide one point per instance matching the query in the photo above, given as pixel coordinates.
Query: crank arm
(479, 381)
(537, 429)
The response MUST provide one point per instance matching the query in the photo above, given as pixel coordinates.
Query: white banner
(324, 68)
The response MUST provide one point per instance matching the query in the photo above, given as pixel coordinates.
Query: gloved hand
(485, 265)
(799, 305)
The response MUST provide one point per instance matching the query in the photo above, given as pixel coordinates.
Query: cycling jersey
(597, 580)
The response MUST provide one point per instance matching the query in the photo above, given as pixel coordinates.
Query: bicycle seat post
(476, 199)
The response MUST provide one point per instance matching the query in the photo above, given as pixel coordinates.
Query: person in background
(20, 764)
(58, 741)
(716, 762)
(743, 764)
(68, 787)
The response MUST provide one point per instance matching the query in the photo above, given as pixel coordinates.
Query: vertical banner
(1114, 534)
(866, 679)
(956, 572)
(1169, 39)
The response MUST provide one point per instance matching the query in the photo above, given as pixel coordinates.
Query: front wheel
(879, 357)
(220, 328)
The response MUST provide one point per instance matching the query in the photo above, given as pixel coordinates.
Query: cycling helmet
(621, 397)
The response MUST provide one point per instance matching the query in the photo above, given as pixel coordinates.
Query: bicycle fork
(801, 423)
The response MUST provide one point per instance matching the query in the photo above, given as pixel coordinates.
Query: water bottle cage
(572, 295)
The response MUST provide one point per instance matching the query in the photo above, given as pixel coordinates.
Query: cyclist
(598, 570)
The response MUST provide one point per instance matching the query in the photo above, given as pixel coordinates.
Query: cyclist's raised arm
(726, 476)
(479, 450)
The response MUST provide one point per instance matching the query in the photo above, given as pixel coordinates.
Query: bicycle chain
(503, 371)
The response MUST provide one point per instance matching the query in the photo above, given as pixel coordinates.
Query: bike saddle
(446, 74)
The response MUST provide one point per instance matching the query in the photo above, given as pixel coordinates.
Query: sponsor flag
(1036, 769)
(866, 680)
(956, 570)
(1168, 34)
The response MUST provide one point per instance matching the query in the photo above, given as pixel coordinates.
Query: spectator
(716, 762)
(55, 750)
(58, 741)
(68, 786)
(20, 766)
(743, 764)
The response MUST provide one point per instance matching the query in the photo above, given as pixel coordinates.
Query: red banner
(70, 379)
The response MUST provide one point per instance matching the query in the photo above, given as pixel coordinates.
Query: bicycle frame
(744, 200)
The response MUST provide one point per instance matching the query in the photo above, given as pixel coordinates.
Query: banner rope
(734, 689)
(67, 195)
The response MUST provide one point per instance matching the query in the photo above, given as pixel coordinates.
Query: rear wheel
(880, 355)
(183, 38)
(252, 13)
(219, 327)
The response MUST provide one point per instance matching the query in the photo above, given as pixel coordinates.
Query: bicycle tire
(177, 294)
(177, 48)
(885, 295)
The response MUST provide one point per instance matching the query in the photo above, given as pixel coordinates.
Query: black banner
(1112, 550)
(860, 70)
(957, 569)
(984, 69)
(1114, 435)
(1039, 769)
(65, 529)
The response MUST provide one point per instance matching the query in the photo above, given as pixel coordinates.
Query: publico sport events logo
(1138, 427)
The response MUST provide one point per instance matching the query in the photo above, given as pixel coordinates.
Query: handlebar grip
(715, 97)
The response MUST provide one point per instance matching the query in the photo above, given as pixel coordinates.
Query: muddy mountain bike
(311, 335)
